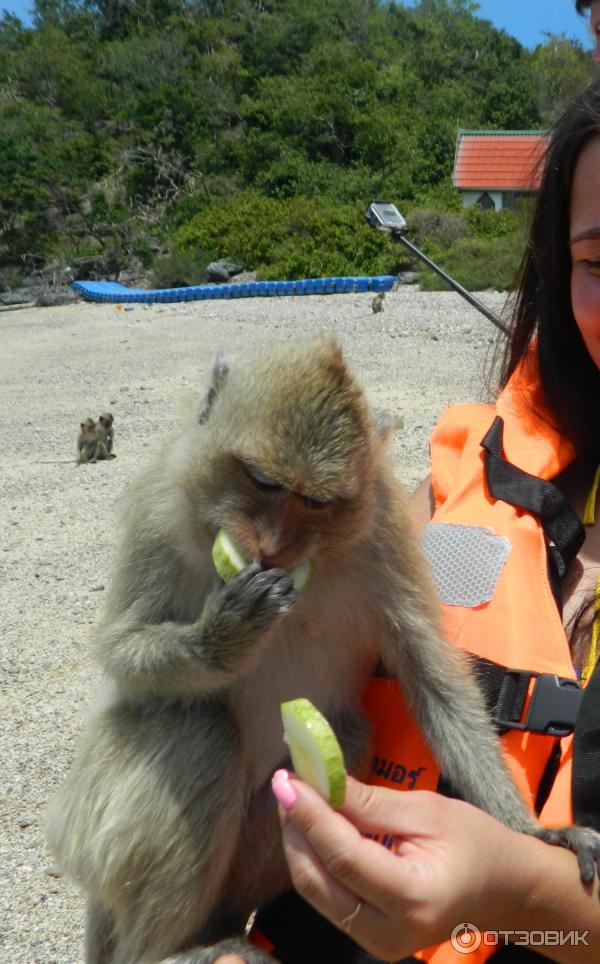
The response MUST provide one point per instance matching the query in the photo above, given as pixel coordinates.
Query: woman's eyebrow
(585, 235)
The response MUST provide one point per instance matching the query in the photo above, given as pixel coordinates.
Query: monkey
(167, 818)
(91, 444)
(87, 442)
(377, 303)
(106, 434)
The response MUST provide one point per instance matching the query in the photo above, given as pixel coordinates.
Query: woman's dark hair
(569, 378)
(582, 5)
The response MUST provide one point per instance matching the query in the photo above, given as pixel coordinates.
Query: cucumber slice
(316, 754)
(300, 574)
(227, 557)
(229, 560)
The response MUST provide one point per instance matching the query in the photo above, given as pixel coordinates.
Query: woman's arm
(454, 864)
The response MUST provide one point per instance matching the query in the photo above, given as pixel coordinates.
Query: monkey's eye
(315, 504)
(261, 481)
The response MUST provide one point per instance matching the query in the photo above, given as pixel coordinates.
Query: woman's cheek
(585, 298)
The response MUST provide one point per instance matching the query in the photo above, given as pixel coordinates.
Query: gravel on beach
(147, 365)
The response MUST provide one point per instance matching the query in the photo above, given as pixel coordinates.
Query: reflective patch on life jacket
(465, 561)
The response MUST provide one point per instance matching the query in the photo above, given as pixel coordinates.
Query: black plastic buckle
(552, 709)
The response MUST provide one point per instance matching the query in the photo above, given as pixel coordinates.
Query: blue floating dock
(111, 292)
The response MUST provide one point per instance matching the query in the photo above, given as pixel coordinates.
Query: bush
(289, 238)
(427, 227)
(491, 224)
(477, 263)
(178, 269)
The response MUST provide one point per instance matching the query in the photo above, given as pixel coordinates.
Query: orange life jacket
(506, 615)
(519, 626)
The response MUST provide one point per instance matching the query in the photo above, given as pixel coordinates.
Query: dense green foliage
(174, 130)
(292, 237)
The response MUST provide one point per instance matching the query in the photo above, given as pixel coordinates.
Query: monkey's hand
(233, 948)
(242, 613)
(177, 660)
(583, 841)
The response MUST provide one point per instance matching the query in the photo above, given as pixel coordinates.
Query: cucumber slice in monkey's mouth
(316, 754)
(229, 560)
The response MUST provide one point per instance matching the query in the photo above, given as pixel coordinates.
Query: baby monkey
(377, 302)
(167, 817)
(106, 434)
(87, 442)
(95, 439)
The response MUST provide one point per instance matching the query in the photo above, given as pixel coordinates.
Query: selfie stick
(384, 216)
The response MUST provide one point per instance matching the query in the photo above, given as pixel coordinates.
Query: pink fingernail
(283, 789)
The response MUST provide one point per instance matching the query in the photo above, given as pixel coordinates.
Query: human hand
(452, 863)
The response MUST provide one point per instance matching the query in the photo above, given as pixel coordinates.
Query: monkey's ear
(218, 378)
(386, 423)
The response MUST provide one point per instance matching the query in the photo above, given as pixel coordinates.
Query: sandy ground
(58, 521)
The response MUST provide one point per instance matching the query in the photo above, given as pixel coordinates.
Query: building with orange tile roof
(492, 169)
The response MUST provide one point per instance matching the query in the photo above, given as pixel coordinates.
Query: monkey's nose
(283, 558)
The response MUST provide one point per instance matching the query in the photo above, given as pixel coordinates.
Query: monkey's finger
(272, 587)
(261, 580)
(253, 584)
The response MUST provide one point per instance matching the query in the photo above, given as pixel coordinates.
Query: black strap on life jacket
(557, 698)
(552, 710)
(561, 524)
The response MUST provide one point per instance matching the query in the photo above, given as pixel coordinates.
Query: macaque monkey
(167, 817)
(94, 438)
(377, 303)
(106, 434)
(87, 442)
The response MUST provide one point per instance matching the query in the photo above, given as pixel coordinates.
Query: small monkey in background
(167, 817)
(94, 439)
(377, 303)
(106, 433)
(87, 442)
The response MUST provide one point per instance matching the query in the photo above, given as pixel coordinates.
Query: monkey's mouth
(285, 558)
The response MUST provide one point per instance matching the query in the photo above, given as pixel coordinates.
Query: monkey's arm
(86, 453)
(448, 704)
(101, 449)
(435, 677)
(149, 653)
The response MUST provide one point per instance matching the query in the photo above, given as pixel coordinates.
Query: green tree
(560, 67)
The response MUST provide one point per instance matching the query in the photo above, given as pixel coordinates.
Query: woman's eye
(592, 265)
(315, 504)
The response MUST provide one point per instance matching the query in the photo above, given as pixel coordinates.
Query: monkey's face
(293, 457)
(279, 525)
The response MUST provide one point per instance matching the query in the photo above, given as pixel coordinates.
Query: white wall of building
(470, 198)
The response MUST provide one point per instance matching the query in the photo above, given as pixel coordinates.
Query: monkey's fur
(95, 439)
(106, 433)
(87, 442)
(377, 303)
(167, 818)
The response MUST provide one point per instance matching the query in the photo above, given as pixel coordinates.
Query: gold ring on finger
(345, 923)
